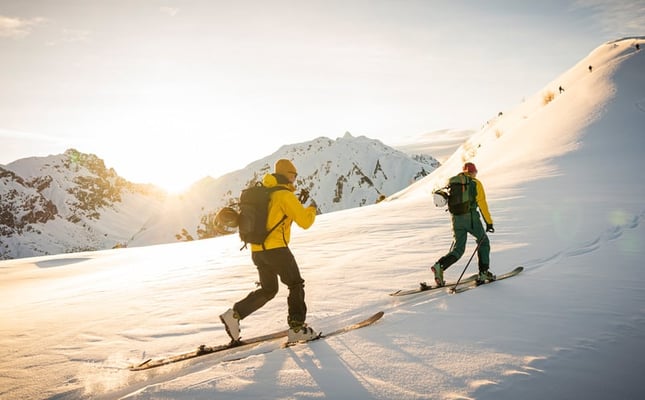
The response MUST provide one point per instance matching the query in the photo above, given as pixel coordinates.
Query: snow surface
(566, 189)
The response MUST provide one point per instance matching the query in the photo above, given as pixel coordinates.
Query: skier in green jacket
(464, 224)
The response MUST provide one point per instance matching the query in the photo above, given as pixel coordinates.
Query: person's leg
(460, 235)
(483, 253)
(290, 276)
(456, 251)
(268, 286)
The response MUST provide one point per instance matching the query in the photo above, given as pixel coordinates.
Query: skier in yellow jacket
(464, 224)
(274, 259)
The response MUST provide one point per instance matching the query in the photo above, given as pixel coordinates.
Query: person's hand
(304, 196)
(489, 228)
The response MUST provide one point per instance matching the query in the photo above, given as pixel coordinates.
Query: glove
(489, 228)
(304, 196)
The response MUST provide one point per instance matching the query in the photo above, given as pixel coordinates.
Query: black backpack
(254, 210)
(462, 194)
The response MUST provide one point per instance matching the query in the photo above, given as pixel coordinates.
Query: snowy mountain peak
(518, 144)
(67, 202)
(339, 174)
(72, 201)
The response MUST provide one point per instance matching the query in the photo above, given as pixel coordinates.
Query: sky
(565, 189)
(169, 91)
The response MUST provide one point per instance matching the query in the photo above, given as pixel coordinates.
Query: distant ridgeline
(71, 202)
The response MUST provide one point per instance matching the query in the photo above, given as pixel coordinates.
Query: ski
(204, 350)
(473, 284)
(424, 287)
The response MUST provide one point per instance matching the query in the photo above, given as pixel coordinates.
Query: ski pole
(465, 268)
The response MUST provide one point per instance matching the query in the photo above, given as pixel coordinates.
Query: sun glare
(172, 171)
(175, 148)
(176, 184)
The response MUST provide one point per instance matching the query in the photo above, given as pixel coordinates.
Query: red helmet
(470, 168)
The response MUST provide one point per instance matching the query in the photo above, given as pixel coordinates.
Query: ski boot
(231, 321)
(485, 276)
(301, 333)
(438, 274)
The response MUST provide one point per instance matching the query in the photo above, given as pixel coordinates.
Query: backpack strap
(472, 186)
(273, 229)
(284, 217)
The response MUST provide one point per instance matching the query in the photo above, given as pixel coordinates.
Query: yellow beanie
(284, 167)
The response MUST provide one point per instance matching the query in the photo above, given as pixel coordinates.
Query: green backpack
(462, 194)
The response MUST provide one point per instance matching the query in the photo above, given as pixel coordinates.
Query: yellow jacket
(284, 203)
(481, 201)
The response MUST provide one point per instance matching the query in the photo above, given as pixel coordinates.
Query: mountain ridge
(72, 202)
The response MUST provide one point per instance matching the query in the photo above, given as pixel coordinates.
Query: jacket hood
(271, 180)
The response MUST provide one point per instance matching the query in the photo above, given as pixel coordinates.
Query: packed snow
(566, 190)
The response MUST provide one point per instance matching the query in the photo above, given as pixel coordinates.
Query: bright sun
(176, 181)
(171, 170)
(175, 168)
(174, 146)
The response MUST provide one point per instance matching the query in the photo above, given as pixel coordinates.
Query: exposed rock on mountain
(73, 202)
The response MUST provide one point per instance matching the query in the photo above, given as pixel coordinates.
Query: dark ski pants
(272, 264)
(462, 225)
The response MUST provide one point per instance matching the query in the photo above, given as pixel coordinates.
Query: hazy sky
(168, 91)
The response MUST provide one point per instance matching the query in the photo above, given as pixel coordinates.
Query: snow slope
(566, 191)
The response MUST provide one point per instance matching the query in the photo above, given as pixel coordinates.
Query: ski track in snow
(609, 234)
(640, 105)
